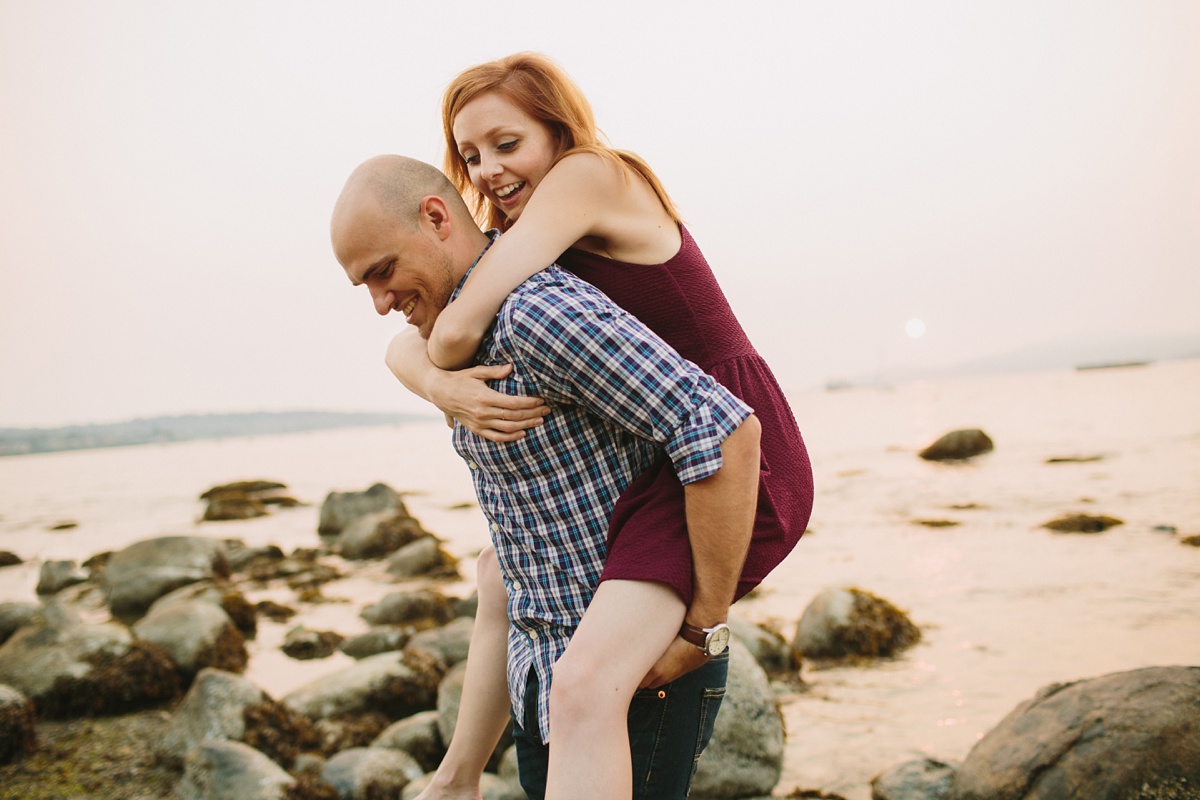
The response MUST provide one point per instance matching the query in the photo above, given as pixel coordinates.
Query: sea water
(1005, 606)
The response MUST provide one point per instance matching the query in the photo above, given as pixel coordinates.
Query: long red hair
(537, 86)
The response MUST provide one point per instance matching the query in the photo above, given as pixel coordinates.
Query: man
(622, 400)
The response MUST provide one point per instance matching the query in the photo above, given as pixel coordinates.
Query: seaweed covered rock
(213, 708)
(18, 724)
(422, 608)
(397, 684)
(1124, 735)
(745, 756)
(852, 623)
(423, 557)
(143, 572)
(303, 643)
(244, 499)
(379, 639)
(197, 635)
(82, 670)
(959, 445)
(377, 534)
(221, 594)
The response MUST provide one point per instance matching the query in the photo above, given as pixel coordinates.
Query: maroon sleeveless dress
(681, 302)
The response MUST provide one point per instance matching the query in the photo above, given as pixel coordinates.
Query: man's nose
(384, 300)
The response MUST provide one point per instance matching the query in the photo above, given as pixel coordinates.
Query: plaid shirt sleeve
(583, 350)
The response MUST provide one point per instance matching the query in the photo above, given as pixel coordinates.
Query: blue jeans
(669, 728)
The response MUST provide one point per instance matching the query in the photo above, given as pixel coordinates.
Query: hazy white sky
(1008, 172)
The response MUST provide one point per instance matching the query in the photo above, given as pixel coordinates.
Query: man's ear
(436, 214)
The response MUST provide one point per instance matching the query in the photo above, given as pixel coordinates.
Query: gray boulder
(220, 594)
(923, 779)
(852, 623)
(958, 445)
(143, 572)
(82, 670)
(369, 772)
(423, 607)
(449, 642)
(18, 725)
(197, 635)
(1124, 736)
(231, 771)
(342, 508)
(418, 736)
(213, 709)
(55, 576)
(397, 684)
(745, 756)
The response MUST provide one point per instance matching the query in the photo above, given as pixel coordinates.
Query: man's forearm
(720, 518)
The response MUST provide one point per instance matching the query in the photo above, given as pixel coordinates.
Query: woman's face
(507, 152)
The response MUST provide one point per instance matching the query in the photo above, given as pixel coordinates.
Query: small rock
(246, 487)
(233, 506)
(1083, 523)
(375, 535)
(426, 557)
(418, 736)
(213, 709)
(397, 684)
(769, 648)
(936, 523)
(197, 635)
(304, 644)
(274, 611)
(141, 573)
(448, 643)
(9, 559)
(370, 772)
(226, 770)
(1191, 541)
(958, 445)
(382, 639)
(14, 615)
(342, 508)
(923, 779)
(65, 525)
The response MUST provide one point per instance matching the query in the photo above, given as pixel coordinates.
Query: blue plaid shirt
(621, 398)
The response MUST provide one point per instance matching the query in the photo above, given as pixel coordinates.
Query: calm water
(1005, 606)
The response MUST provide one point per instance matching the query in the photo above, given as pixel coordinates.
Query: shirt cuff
(695, 447)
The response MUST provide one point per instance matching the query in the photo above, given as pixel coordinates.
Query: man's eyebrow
(371, 270)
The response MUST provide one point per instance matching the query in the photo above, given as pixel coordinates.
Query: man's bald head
(395, 185)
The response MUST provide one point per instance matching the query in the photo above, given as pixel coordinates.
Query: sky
(1006, 173)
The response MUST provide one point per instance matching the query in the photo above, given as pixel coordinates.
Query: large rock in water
(229, 770)
(143, 572)
(745, 756)
(1125, 736)
(852, 623)
(958, 445)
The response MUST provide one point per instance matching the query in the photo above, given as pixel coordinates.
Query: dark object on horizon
(1073, 459)
(958, 446)
(1083, 523)
(1112, 365)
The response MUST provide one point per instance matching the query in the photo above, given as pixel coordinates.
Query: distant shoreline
(187, 427)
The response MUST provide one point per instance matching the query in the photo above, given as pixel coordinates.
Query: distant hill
(155, 430)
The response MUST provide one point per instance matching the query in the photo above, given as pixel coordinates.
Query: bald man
(623, 399)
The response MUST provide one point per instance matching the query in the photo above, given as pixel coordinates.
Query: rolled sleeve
(695, 446)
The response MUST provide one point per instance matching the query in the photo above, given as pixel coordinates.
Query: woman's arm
(464, 395)
(582, 195)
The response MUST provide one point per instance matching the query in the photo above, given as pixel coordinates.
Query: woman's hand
(465, 396)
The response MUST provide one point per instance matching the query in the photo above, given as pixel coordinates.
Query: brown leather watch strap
(694, 635)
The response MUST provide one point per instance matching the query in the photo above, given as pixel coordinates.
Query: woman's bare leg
(628, 625)
(483, 712)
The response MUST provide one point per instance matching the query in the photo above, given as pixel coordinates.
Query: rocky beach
(1013, 619)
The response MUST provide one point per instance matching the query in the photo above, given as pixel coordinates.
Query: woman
(523, 148)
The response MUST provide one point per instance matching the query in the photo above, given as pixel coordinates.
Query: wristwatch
(712, 641)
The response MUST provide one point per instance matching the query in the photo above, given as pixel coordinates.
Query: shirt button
(472, 465)
(495, 528)
(516, 586)
(533, 635)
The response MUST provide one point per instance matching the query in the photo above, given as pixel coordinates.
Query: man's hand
(680, 658)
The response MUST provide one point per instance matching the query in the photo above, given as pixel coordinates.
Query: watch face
(718, 640)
